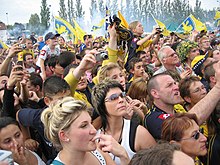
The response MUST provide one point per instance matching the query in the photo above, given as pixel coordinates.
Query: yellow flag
(123, 20)
(163, 27)
(217, 15)
(79, 31)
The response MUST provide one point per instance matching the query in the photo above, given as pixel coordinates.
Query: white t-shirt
(46, 53)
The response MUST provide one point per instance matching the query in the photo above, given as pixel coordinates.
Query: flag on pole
(79, 31)
(190, 24)
(99, 25)
(163, 27)
(62, 26)
(123, 20)
(217, 17)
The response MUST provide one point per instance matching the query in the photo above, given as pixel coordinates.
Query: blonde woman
(68, 126)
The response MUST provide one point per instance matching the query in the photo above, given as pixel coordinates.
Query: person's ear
(219, 120)
(47, 100)
(155, 93)
(63, 136)
(212, 79)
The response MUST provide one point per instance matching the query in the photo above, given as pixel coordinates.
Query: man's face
(205, 44)
(168, 90)
(138, 70)
(171, 57)
(146, 59)
(29, 44)
(29, 62)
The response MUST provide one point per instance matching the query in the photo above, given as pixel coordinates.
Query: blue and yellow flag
(99, 25)
(163, 27)
(63, 27)
(3, 45)
(79, 31)
(123, 20)
(190, 24)
(217, 17)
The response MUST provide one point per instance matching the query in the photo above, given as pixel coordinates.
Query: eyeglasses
(196, 135)
(115, 96)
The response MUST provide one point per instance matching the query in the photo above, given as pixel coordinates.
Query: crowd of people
(154, 100)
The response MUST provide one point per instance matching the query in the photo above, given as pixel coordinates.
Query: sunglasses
(196, 135)
(115, 96)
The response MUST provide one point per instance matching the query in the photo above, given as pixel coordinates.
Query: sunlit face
(190, 145)
(146, 58)
(10, 136)
(193, 53)
(138, 70)
(61, 41)
(118, 75)
(29, 62)
(53, 41)
(82, 83)
(29, 44)
(168, 91)
(115, 107)
(81, 133)
(216, 54)
(197, 92)
(171, 57)
(205, 44)
(139, 30)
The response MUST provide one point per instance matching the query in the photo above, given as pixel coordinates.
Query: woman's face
(11, 136)
(192, 146)
(118, 75)
(81, 133)
(115, 102)
(193, 53)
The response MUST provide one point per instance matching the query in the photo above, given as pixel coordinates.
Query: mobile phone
(21, 65)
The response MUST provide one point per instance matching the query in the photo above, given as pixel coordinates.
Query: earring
(67, 140)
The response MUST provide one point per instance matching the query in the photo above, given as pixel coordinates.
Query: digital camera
(6, 156)
(102, 55)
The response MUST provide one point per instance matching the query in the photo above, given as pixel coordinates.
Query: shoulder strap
(56, 162)
(133, 128)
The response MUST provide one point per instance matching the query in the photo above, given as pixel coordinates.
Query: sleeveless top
(125, 141)
(96, 153)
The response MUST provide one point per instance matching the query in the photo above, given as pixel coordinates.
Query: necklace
(119, 139)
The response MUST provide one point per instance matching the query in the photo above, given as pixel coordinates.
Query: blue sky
(20, 10)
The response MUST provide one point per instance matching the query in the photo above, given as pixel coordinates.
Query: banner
(190, 24)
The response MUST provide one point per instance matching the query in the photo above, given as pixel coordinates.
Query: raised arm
(204, 107)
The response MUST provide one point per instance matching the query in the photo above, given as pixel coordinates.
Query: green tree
(79, 10)
(33, 21)
(93, 8)
(71, 11)
(62, 12)
(45, 14)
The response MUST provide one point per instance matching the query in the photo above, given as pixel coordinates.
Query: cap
(197, 63)
(50, 35)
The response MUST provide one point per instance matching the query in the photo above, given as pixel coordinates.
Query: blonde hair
(133, 25)
(59, 116)
(106, 70)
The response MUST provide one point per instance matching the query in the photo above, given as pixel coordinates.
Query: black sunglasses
(115, 96)
(196, 135)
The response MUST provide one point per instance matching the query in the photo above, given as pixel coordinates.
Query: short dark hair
(26, 54)
(209, 71)
(185, 84)
(132, 62)
(52, 61)
(99, 93)
(54, 85)
(67, 69)
(5, 121)
(35, 79)
(65, 58)
(139, 53)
